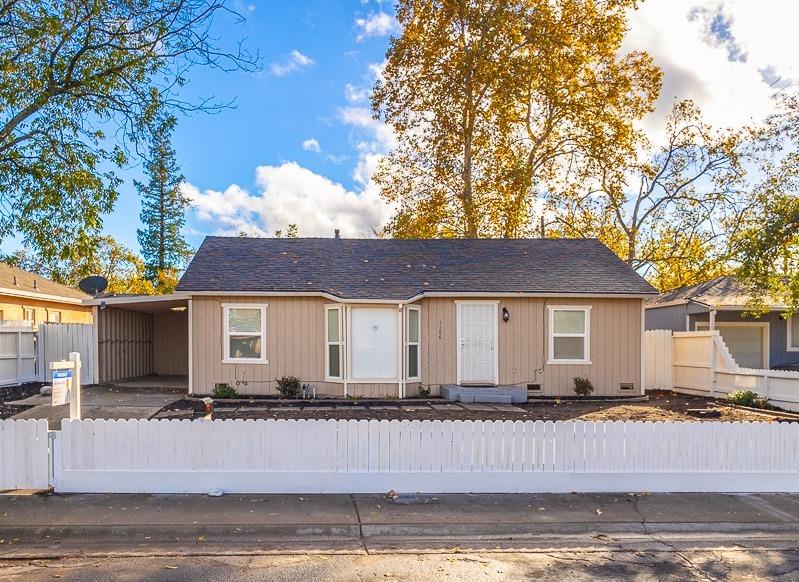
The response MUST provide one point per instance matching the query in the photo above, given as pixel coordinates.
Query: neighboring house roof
(724, 291)
(18, 283)
(401, 269)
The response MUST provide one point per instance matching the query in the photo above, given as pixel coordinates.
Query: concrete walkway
(102, 402)
(129, 525)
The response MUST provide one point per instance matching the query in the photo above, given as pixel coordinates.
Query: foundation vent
(534, 387)
(626, 386)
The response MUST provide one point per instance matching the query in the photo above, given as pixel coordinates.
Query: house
(380, 317)
(768, 341)
(28, 297)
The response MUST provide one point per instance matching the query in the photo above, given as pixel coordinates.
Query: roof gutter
(40, 296)
(413, 298)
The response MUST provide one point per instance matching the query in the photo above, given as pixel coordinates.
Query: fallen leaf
(599, 512)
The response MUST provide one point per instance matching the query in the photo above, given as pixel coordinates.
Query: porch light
(179, 308)
(505, 314)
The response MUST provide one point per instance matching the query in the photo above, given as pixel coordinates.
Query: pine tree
(163, 209)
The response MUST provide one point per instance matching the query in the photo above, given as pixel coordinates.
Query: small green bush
(225, 391)
(748, 398)
(423, 392)
(583, 386)
(289, 386)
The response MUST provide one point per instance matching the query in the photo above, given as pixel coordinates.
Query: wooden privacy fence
(338, 456)
(24, 454)
(17, 353)
(703, 365)
(658, 360)
(57, 340)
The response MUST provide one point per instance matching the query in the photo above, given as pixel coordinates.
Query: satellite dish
(93, 285)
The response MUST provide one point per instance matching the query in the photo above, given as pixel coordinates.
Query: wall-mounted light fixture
(505, 314)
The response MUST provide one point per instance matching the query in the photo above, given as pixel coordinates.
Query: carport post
(74, 400)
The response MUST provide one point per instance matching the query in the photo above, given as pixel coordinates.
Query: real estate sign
(62, 386)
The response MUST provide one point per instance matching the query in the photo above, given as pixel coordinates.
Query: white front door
(477, 342)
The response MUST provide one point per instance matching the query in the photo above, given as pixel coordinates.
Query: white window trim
(700, 325)
(340, 343)
(585, 361)
(408, 343)
(790, 347)
(226, 359)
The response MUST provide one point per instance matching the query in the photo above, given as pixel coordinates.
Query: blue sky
(316, 69)
(300, 145)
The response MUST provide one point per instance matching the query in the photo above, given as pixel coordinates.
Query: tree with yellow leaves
(492, 101)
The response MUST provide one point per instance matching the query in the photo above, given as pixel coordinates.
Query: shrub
(583, 386)
(289, 386)
(423, 392)
(748, 398)
(225, 391)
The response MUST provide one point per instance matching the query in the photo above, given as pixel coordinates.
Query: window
(373, 344)
(244, 330)
(569, 335)
(29, 314)
(333, 335)
(413, 341)
(54, 316)
(793, 333)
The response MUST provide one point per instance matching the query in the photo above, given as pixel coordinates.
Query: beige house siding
(170, 344)
(295, 346)
(13, 308)
(615, 344)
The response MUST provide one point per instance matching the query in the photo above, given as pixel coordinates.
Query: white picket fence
(17, 353)
(339, 456)
(699, 362)
(55, 342)
(24, 454)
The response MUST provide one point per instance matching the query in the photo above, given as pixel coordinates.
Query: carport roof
(402, 269)
(142, 303)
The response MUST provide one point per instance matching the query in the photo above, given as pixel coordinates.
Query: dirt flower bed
(660, 406)
(11, 393)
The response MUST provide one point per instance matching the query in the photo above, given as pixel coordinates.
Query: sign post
(66, 384)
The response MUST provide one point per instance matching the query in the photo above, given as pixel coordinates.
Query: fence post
(713, 366)
(74, 400)
(767, 384)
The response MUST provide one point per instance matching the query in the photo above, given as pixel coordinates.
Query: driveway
(102, 402)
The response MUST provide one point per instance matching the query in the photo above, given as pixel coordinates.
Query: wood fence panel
(24, 454)
(55, 342)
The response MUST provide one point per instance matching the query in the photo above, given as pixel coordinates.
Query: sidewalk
(130, 525)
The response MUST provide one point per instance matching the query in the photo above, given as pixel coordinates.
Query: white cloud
(723, 54)
(355, 94)
(376, 24)
(289, 194)
(294, 61)
(311, 145)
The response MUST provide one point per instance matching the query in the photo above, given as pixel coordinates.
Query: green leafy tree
(78, 81)
(163, 213)
(123, 268)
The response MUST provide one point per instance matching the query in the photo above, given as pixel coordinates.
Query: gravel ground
(660, 406)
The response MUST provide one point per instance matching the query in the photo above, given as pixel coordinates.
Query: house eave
(40, 296)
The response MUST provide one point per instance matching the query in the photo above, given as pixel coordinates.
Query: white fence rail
(703, 365)
(24, 456)
(658, 360)
(17, 353)
(57, 340)
(327, 456)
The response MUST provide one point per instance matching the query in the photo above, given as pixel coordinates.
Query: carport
(142, 341)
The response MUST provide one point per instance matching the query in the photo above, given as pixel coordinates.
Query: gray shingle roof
(721, 291)
(400, 269)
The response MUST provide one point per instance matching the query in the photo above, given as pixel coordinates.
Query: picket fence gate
(17, 353)
(24, 454)
(341, 456)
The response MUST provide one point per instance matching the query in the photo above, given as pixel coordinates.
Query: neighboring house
(768, 341)
(382, 317)
(28, 297)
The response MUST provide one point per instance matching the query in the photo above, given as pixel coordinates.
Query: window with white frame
(413, 343)
(793, 332)
(29, 314)
(569, 335)
(333, 341)
(54, 316)
(244, 330)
